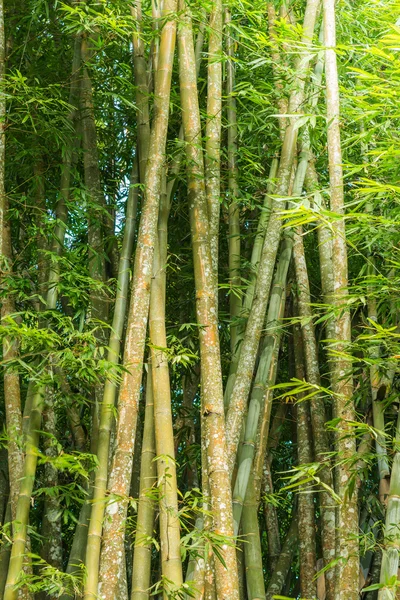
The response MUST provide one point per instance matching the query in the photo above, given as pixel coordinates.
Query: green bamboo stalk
(235, 300)
(318, 417)
(254, 263)
(211, 377)
(342, 384)
(258, 394)
(213, 130)
(251, 339)
(283, 565)
(306, 507)
(269, 360)
(391, 541)
(141, 573)
(252, 544)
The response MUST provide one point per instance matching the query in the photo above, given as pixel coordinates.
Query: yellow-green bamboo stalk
(235, 300)
(213, 130)
(342, 384)
(141, 573)
(283, 565)
(391, 542)
(258, 394)
(306, 506)
(171, 564)
(211, 377)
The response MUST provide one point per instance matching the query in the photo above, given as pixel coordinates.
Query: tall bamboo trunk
(213, 131)
(141, 573)
(254, 264)
(342, 385)
(235, 300)
(171, 565)
(306, 507)
(211, 377)
(317, 407)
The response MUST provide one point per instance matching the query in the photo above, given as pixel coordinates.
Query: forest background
(199, 243)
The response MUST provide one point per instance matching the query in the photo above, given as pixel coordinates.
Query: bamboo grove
(200, 283)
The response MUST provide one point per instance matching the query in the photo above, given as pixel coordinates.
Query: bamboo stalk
(307, 542)
(318, 417)
(252, 544)
(283, 565)
(261, 382)
(110, 388)
(141, 573)
(213, 131)
(342, 385)
(211, 378)
(254, 263)
(235, 300)
(262, 389)
(391, 542)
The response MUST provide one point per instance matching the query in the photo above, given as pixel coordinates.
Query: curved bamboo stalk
(211, 377)
(254, 263)
(251, 339)
(261, 382)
